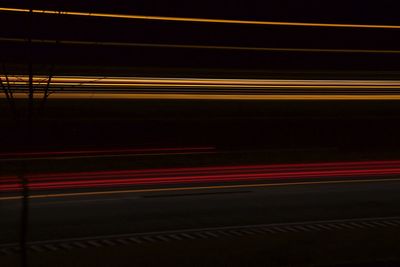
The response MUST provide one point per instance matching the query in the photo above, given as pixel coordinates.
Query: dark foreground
(239, 133)
(104, 218)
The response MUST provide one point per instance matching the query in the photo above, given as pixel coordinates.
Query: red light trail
(198, 175)
(107, 152)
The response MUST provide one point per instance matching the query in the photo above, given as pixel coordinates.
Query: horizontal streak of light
(151, 177)
(133, 85)
(217, 169)
(110, 151)
(215, 47)
(209, 89)
(155, 190)
(201, 175)
(202, 20)
(200, 179)
(183, 96)
(143, 85)
(89, 80)
(352, 164)
(108, 156)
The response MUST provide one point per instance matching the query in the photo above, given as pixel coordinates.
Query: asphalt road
(73, 217)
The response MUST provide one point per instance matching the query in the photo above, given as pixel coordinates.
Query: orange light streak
(201, 20)
(91, 87)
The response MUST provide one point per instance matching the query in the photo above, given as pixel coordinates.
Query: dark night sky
(119, 61)
(93, 29)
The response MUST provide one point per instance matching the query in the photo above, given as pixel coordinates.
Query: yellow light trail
(244, 86)
(202, 20)
(194, 188)
(165, 81)
(92, 87)
(83, 79)
(187, 96)
(209, 47)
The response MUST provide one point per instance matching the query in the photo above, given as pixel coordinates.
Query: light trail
(208, 47)
(87, 87)
(201, 175)
(104, 153)
(195, 188)
(200, 20)
(157, 81)
(168, 96)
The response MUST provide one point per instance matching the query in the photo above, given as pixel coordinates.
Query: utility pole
(25, 123)
(23, 174)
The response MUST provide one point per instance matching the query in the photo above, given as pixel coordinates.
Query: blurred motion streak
(108, 152)
(212, 47)
(205, 175)
(92, 87)
(201, 20)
